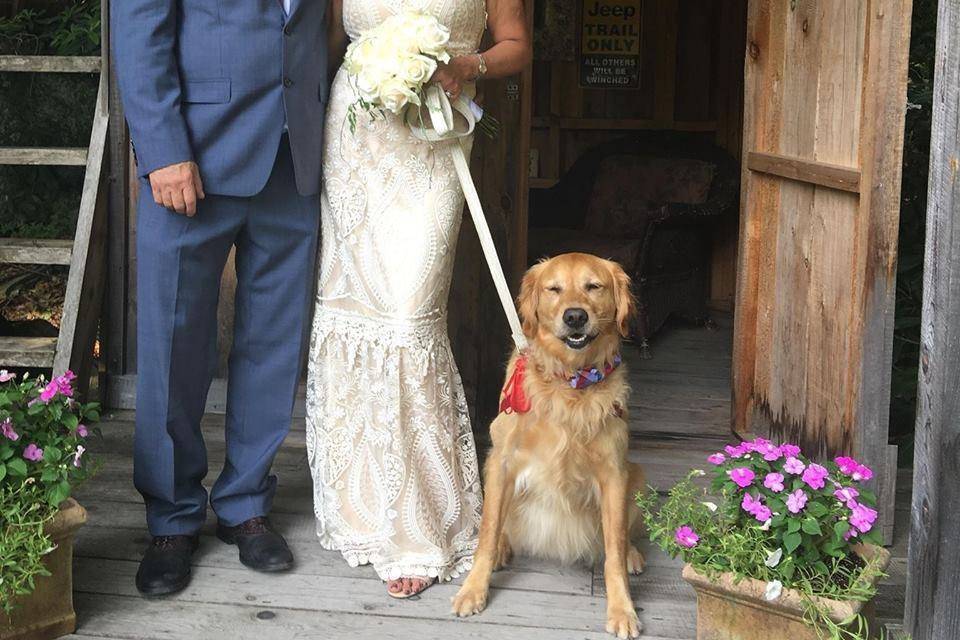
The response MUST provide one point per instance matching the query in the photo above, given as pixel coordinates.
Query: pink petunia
(686, 537)
(742, 476)
(796, 501)
(8, 431)
(790, 450)
(33, 453)
(6, 376)
(847, 465)
(774, 482)
(716, 458)
(763, 513)
(735, 452)
(847, 495)
(862, 517)
(49, 392)
(64, 383)
(862, 472)
(82, 430)
(751, 504)
(794, 466)
(815, 476)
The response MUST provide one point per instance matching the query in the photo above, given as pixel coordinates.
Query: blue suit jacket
(216, 81)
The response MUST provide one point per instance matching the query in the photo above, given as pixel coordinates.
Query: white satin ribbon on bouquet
(453, 123)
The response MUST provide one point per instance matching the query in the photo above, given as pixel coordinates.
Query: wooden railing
(85, 254)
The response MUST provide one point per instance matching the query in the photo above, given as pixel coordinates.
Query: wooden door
(500, 166)
(825, 93)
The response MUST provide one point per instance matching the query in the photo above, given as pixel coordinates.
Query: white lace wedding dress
(392, 455)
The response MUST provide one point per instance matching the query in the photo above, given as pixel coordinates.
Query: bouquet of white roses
(390, 65)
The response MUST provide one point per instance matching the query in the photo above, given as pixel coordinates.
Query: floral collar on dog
(515, 400)
(584, 378)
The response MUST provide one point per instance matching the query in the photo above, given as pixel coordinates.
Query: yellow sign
(610, 43)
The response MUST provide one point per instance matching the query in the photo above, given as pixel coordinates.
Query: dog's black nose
(575, 318)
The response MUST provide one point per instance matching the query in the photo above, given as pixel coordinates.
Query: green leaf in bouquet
(52, 455)
(793, 525)
(868, 496)
(821, 567)
(49, 474)
(791, 541)
(70, 421)
(36, 408)
(6, 452)
(3, 471)
(17, 467)
(811, 526)
(817, 509)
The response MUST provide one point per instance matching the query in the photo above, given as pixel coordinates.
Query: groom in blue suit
(225, 101)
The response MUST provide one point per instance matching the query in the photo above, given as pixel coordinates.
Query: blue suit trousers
(179, 265)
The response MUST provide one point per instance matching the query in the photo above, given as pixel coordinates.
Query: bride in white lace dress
(394, 466)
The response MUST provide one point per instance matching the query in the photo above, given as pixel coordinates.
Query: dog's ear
(624, 299)
(529, 299)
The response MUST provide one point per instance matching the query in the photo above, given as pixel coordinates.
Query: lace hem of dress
(441, 568)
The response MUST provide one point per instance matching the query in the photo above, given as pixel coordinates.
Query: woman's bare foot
(409, 586)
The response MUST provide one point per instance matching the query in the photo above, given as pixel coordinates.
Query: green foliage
(913, 205)
(52, 110)
(43, 432)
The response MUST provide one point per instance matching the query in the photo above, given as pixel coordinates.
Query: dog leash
(442, 116)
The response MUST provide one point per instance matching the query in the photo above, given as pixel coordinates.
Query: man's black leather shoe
(165, 567)
(261, 548)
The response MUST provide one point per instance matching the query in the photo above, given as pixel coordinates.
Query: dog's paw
(623, 623)
(469, 601)
(635, 561)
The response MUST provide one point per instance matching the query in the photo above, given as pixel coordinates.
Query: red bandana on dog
(515, 400)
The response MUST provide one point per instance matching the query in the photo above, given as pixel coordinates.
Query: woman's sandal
(424, 584)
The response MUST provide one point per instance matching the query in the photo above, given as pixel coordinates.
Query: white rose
(417, 69)
(395, 95)
(433, 38)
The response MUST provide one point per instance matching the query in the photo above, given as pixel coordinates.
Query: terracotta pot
(48, 611)
(727, 610)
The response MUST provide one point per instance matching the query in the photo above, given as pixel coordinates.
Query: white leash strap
(444, 129)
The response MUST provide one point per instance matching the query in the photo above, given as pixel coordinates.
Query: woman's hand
(453, 75)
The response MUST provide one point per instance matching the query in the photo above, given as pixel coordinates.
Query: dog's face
(576, 306)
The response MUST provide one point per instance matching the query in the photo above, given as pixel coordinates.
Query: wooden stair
(85, 254)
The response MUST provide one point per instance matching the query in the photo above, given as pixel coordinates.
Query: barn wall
(691, 79)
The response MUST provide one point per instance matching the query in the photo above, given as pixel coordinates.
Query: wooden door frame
(933, 592)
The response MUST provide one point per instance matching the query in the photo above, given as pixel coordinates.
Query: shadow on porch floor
(679, 414)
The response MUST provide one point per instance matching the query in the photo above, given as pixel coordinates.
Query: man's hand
(178, 187)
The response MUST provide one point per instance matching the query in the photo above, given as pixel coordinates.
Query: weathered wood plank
(133, 617)
(43, 156)
(87, 279)
(527, 609)
(31, 251)
(50, 64)
(933, 591)
(27, 352)
(820, 173)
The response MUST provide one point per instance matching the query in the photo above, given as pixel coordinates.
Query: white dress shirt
(286, 6)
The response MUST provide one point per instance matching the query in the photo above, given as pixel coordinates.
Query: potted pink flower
(43, 445)
(778, 545)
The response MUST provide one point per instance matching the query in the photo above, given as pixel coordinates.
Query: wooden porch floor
(679, 414)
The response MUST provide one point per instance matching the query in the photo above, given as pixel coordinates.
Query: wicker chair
(646, 201)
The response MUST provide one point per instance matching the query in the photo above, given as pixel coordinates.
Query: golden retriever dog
(557, 482)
